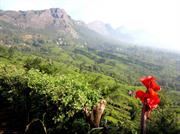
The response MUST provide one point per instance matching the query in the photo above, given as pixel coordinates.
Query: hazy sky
(160, 18)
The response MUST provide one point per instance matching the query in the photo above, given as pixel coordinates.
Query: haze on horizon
(155, 23)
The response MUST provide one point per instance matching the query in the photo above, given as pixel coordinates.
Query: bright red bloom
(149, 82)
(155, 86)
(150, 97)
(141, 95)
(153, 102)
(152, 92)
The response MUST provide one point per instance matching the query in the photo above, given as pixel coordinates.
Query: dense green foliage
(53, 99)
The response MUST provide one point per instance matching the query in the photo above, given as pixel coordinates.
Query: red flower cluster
(150, 97)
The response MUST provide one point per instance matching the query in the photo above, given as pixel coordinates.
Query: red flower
(150, 97)
(146, 81)
(141, 95)
(149, 82)
(153, 102)
(155, 86)
(152, 92)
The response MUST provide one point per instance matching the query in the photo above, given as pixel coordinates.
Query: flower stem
(143, 119)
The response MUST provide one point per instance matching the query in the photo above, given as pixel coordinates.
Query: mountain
(120, 33)
(123, 34)
(101, 28)
(51, 26)
(53, 18)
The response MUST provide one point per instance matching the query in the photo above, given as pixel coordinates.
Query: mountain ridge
(54, 25)
(120, 33)
(59, 20)
(40, 19)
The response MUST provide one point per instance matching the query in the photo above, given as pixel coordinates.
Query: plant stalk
(143, 119)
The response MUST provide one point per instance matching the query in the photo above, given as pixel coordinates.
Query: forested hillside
(53, 73)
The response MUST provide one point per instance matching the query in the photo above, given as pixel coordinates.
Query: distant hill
(120, 33)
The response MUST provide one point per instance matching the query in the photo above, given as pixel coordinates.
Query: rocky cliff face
(51, 18)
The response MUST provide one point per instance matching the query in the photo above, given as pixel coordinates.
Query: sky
(159, 20)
